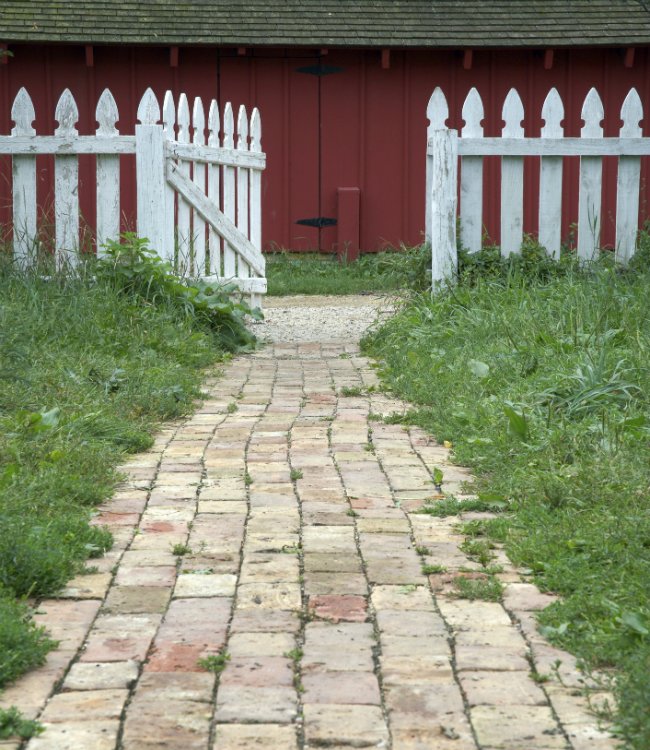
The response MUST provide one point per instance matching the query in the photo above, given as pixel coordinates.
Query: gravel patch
(321, 318)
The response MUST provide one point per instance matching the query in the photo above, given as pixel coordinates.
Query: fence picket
(229, 258)
(24, 183)
(256, 192)
(242, 186)
(198, 139)
(550, 178)
(108, 174)
(437, 114)
(629, 176)
(471, 177)
(169, 240)
(184, 229)
(512, 179)
(214, 240)
(591, 177)
(149, 164)
(66, 185)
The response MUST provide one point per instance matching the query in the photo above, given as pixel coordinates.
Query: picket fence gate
(198, 199)
(444, 147)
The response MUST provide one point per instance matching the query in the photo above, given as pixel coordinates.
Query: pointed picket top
(473, 114)
(106, 114)
(198, 121)
(23, 114)
(148, 109)
(66, 114)
(228, 126)
(242, 129)
(169, 116)
(552, 114)
(437, 110)
(513, 114)
(592, 114)
(256, 130)
(213, 124)
(183, 119)
(632, 114)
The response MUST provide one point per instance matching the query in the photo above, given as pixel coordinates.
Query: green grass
(214, 662)
(309, 273)
(90, 364)
(539, 374)
(487, 589)
(13, 724)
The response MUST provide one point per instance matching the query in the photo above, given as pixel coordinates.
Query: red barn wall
(362, 126)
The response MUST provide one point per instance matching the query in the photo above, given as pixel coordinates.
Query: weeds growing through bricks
(538, 373)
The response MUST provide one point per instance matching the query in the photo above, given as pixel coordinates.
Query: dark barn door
(329, 122)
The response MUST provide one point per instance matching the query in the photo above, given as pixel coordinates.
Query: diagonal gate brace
(220, 223)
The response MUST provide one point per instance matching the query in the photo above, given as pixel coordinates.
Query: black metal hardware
(320, 221)
(319, 70)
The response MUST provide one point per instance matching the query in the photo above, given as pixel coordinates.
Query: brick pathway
(275, 531)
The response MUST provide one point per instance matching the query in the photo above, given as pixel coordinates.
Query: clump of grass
(295, 474)
(537, 372)
(214, 662)
(429, 570)
(90, 363)
(487, 589)
(14, 724)
(295, 655)
(449, 506)
(351, 391)
(180, 549)
(23, 644)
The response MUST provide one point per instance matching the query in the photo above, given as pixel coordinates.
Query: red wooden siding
(361, 127)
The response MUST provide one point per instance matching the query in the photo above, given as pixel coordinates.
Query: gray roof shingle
(359, 23)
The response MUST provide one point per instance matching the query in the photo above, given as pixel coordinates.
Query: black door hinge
(320, 70)
(319, 221)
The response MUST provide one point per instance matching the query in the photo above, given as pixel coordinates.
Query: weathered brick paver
(266, 590)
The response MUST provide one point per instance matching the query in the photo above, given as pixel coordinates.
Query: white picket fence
(444, 148)
(198, 199)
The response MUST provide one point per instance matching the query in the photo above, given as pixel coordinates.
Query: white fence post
(150, 170)
(471, 177)
(108, 175)
(444, 182)
(512, 179)
(24, 183)
(66, 186)
(629, 175)
(591, 181)
(550, 178)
